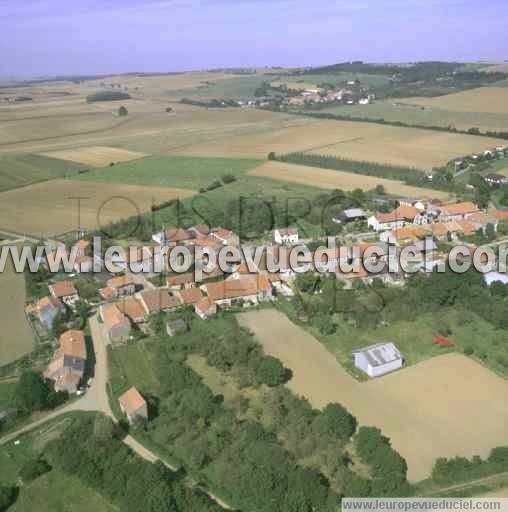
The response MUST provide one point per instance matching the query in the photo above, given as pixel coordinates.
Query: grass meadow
(175, 171)
(19, 170)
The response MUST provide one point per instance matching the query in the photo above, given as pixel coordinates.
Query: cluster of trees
(442, 178)
(388, 468)
(238, 459)
(218, 182)
(459, 469)
(34, 393)
(108, 466)
(107, 96)
(213, 103)
(367, 306)
(235, 448)
(8, 495)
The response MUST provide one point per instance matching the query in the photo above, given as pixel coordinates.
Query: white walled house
(384, 222)
(285, 236)
(378, 359)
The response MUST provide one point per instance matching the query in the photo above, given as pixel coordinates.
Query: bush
(335, 420)
(271, 155)
(33, 469)
(107, 96)
(271, 372)
(122, 111)
(8, 496)
(469, 350)
(228, 178)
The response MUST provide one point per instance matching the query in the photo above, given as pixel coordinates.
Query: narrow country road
(96, 399)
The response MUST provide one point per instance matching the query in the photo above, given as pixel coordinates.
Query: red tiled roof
(63, 289)
(189, 296)
(233, 288)
(112, 316)
(131, 401)
(180, 279)
(158, 300)
(131, 308)
(459, 208)
(72, 343)
(120, 281)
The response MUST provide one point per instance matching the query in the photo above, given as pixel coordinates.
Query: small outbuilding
(175, 327)
(378, 359)
(133, 405)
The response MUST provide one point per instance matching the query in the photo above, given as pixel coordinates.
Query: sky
(66, 37)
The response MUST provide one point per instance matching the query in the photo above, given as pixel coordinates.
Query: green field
(55, 491)
(129, 366)
(229, 89)
(175, 171)
(405, 112)
(19, 170)
(16, 337)
(338, 78)
(6, 393)
(414, 338)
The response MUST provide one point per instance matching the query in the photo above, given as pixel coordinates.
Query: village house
(396, 218)
(226, 236)
(350, 215)
(248, 289)
(205, 308)
(419, 204)
(83, 264)
(65, 291)
(122, 285)
(117, 325)
(155, 301)
(403, 236)
(190, 296)
(82, 248)
(67, 367)
(181, 281)
(496, 180)
(47, 310)
(285, 236)
(378, 359)
(457, 211)
(132, 309)
(174, 236)
(200, 231)
(134, 406)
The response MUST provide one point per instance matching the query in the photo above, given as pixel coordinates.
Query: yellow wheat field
(483, 99)
(371, 142)
(96, 156)
(324, 178)
(446, 406)
(53, 207)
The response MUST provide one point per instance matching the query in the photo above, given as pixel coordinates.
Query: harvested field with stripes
(446, 406)
(329, 179)
(96, 156)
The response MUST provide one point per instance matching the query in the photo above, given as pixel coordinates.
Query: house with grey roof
(378, 359)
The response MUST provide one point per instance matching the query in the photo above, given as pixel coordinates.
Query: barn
(378, 359)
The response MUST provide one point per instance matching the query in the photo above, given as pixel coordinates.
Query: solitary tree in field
(122, 111)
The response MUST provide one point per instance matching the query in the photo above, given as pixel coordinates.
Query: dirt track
(445, 406)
